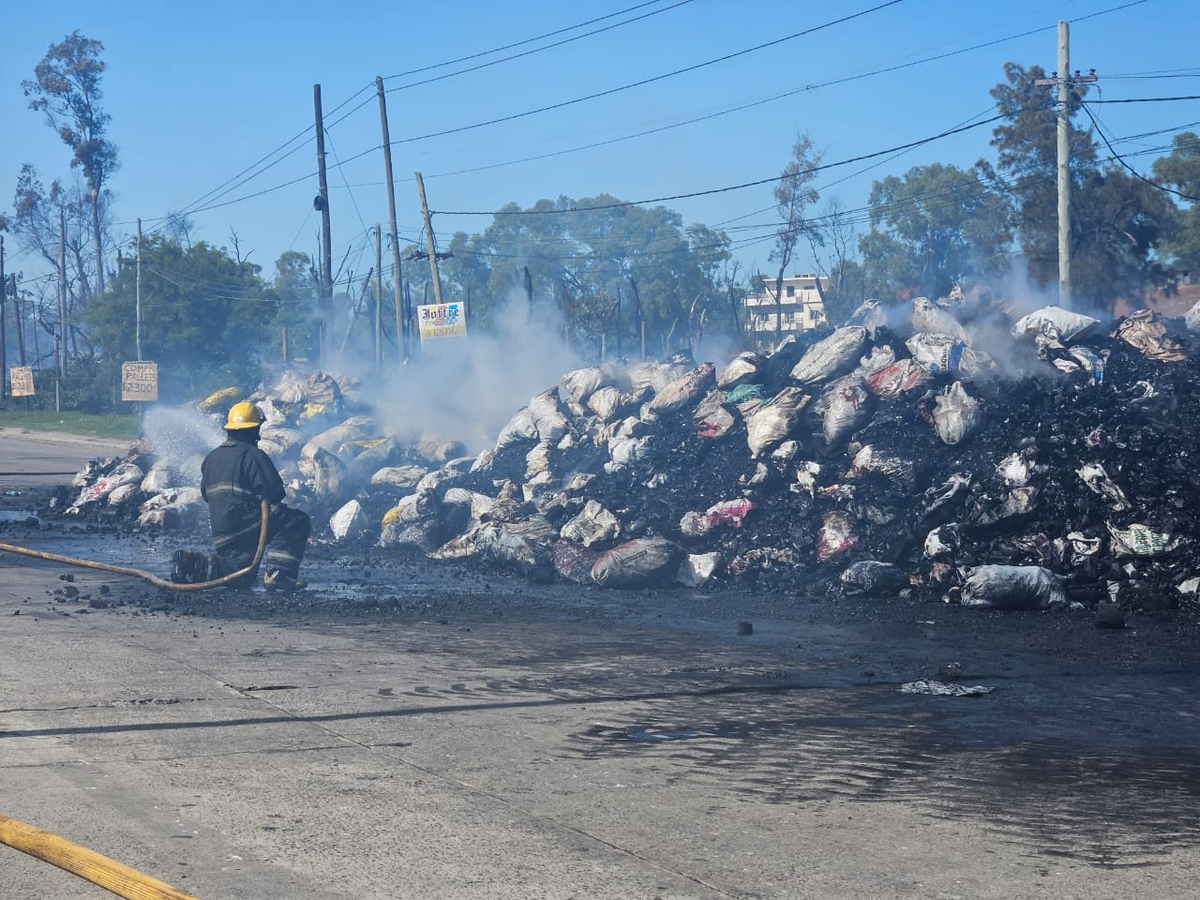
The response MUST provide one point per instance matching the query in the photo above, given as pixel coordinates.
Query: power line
(721, 190)
(1133, 171)
(525, 53)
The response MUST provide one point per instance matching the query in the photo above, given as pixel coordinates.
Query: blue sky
(198, 93)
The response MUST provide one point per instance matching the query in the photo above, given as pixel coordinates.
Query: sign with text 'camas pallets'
(21, 378)
(139, 381)
(441, 320)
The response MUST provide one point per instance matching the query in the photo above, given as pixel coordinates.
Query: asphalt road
(408, 730)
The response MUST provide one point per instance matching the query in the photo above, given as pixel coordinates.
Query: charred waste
(962, 453)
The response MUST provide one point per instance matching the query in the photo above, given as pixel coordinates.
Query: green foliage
(933, 228)
(204, 318)
(66, 87)
(597, 267)
(295, 288)
(1181, 170)
(1117, 221)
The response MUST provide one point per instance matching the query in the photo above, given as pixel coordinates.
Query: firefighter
(235, 478)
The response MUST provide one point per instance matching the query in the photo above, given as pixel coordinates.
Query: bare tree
(793, 195)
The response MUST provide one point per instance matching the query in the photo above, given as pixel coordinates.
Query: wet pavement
(409, 730)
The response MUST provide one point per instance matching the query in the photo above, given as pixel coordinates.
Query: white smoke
(466, 389)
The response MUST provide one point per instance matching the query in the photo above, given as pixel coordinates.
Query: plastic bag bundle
(870, 461)
(573, 561)
(773, 421)
(712, 419)
(835, 535)
(898, 378)
(879, 358)
(727, 512)
(580, 384)
(349, 522)
(831, 356)
(871, 577)
(1098, 480)
(941, 354)
(930, 318)
(956, 414)
(847, 408)
(1192, 318)
(548, 416)
(697, 569)
(605, 402)
(593, 525)
(1055, 322)
(684, 391)
(744, 367)
(638, 563)
(1012, 587)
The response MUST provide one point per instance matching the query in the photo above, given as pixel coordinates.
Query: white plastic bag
(930, 318)
(831, 356)
(956, 414)
(593, 525)
(773, 421)
(847, 408)
(743, 368)
(941, 354)
(1055, 322)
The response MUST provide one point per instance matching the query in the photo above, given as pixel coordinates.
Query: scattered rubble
(966, 457)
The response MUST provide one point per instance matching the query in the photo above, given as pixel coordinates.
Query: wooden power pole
(433, 266)
(402, 341)
(3, 335)
(1064, 82)
(138, 288)
(325, 304)
(378, 298)
(62, 296)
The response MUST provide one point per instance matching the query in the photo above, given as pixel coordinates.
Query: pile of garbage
(954, 451)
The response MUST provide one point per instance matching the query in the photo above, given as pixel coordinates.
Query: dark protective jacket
(234, 478)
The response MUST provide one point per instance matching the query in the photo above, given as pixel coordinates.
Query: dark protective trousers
(287, 534)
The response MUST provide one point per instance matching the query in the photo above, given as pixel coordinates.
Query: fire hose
(95, 867)
(148, 576)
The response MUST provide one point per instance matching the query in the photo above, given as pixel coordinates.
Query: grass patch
(119, 427)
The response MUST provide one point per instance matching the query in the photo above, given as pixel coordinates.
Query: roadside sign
(139, 381)
(21, 378)
(441, 320)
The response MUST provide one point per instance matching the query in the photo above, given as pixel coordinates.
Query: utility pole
(402, 341)
(433, 267)
(378, 298)
(138, 282)
(325, 304)
(12, 280)
(641, 322)
(3, 336)
(1064, 82)
(61, 343)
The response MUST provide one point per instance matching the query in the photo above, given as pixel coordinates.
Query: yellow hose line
(154, 579)
(96, 868)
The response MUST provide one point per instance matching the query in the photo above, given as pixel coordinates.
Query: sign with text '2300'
(441, 320)
(139, 381)
(21, 378)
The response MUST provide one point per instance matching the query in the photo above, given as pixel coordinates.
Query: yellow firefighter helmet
(244, 415)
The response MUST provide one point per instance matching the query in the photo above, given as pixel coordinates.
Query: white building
(800, 306)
